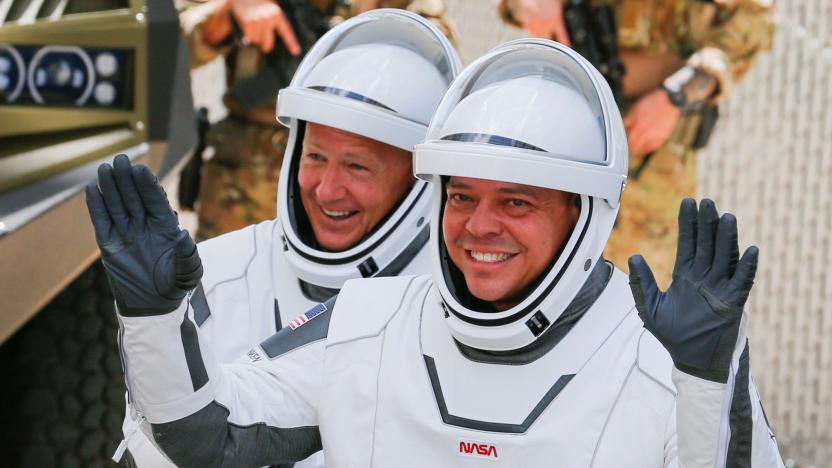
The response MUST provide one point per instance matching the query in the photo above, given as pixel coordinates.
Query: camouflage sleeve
(741, 30)
(432, 10)
(192, 14)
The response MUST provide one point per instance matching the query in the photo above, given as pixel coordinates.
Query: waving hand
(697, 319)
(151, 263)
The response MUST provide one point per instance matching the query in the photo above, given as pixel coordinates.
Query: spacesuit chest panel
(250, 289)
(238, 289)
(437, 408)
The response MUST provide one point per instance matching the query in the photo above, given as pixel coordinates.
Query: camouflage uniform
(721, 38)
(239, 183)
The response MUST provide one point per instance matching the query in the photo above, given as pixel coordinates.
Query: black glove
(151, 263)
(698, 318)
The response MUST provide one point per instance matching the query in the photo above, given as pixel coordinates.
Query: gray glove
(698, 318)
(151, 263)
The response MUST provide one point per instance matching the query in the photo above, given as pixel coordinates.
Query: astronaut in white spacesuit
(348, 202)
(522, 349)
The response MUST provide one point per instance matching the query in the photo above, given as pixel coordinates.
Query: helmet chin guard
(379, 75)
(530, 112)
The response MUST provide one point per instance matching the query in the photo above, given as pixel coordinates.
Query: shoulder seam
(612, 410)
(245, 270)
(387, 322)
(648, 374)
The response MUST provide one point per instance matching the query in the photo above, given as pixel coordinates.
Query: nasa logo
(468, 448)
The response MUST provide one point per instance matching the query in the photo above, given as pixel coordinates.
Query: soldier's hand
(698, 318)
(541, 18)
(260, 20)
(650, 122)
(151, 263)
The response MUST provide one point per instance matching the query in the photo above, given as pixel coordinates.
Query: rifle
(592, 30)
(708, 116)
(309, 25)
(189, 178)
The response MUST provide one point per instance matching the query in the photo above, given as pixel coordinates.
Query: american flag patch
(307, 316)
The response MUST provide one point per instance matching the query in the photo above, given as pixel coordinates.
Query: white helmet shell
(530, 112)
(379, 75)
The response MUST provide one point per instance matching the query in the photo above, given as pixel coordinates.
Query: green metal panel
(37, 141)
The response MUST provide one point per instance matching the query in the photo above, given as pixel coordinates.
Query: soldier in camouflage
(239, 183)
(681, 58)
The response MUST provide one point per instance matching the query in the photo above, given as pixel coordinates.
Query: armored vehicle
(80, 81)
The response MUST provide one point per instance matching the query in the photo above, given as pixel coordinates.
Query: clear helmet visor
(538, 114)
(363, 73)
(519, 100)
(392, 27)
(387, 66)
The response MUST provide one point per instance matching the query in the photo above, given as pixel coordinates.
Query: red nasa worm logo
(470, 448)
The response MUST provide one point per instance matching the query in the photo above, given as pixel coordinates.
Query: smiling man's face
(349, 183)
(502, 236)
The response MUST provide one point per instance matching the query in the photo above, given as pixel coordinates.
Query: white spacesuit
(380, 75)
(418, 372)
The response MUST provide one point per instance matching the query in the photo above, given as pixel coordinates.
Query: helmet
(379, 75)
(530, 112)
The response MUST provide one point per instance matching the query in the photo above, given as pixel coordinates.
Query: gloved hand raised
(151, 263)
(698, 318)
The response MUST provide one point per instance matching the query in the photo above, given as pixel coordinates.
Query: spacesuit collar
(317, 293)
(587, 295)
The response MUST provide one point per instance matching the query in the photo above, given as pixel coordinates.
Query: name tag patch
(254, 355)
